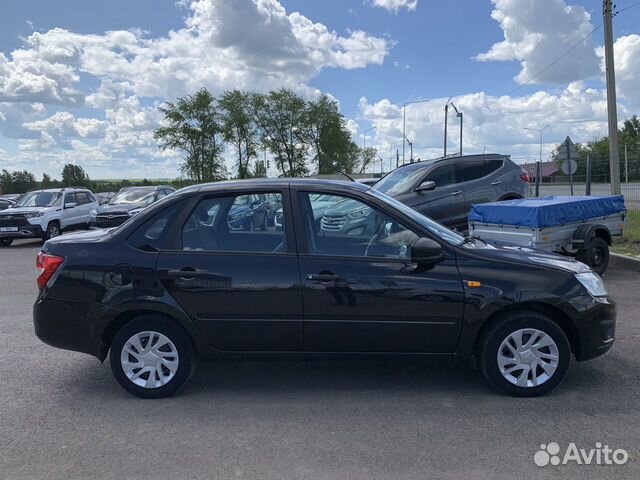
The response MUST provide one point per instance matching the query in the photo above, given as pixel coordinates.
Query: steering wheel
(371, 240)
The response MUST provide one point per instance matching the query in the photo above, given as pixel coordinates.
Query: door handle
(456, 193)
(497, 182)
(186, 273)
(323, 277)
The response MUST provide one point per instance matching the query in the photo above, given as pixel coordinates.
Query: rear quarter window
(151, 235)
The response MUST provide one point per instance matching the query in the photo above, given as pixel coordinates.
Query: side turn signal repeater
(473, 284)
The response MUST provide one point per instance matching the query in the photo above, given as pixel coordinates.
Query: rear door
(240, 287)
(477, 181)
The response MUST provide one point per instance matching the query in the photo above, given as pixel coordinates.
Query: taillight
(46, 266)
(525, 177)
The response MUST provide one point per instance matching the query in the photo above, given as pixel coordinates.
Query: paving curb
(617, 260)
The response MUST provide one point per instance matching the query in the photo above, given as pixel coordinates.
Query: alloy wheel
(149, 359)
(528, 357)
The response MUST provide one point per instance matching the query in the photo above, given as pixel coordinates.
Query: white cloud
(244, 44)
(396, 5)
(537, 32)
(626, 51)
(494, 123)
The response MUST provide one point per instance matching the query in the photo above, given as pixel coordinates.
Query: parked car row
(47, 213)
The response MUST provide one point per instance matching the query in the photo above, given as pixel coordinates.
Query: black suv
(178, 283)
(129, 201)
(445, 188)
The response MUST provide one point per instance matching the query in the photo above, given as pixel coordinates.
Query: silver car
(444, 189)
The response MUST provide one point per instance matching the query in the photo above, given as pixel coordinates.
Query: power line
(628, 8)
(561, 57)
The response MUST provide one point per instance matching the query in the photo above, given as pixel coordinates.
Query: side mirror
(426, 251)
(426, 186)
(70, 205)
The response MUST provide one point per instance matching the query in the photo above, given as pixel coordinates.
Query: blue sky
(70, 91)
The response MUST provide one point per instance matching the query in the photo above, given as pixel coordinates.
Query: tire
(595, 254)
(173, 345)
(500, 340)
(6, 242)
(53, 230)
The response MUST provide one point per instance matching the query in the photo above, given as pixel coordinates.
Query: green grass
(630, 244)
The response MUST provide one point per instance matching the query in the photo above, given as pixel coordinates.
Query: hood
(496, 251)
(23, 210)
(122, 207)
(343, 207)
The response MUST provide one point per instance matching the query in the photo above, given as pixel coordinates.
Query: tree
(368, 156)
(6, 182)
(259, 169)
(74, 175)
(281, 115)
(329, 137)
(46, 181)
(239, 128)
(193, 126)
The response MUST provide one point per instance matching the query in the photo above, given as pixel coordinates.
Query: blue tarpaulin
(546, 211)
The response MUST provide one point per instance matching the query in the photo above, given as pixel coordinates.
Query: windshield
(38, 199)
(401, 180)
(440, 231)
(143, 196)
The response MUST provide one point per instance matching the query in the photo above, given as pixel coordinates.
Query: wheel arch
(584, 232)
(125, 317)
(510, 196)
(554, 313)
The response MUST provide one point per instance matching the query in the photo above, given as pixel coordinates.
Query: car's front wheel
(53, 230)
(151, 357)
(524, 354)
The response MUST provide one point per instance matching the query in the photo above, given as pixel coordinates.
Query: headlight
(93, 213)
(33, 215)
(593, 283)
(362, 212)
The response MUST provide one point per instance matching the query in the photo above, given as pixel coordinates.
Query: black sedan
(129, 201)
(177, 284)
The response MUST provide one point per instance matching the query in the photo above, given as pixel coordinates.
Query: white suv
(46, 213)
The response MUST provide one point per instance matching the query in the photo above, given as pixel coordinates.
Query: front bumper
(596, 325)
(24, 231)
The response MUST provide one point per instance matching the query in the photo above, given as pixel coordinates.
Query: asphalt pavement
(63, 416)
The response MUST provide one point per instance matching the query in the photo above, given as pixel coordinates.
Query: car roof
(457, 158)
(275, 183)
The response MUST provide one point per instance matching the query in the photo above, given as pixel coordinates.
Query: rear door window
(150, 236)
(474, 170)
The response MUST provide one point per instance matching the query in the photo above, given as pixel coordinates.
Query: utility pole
(459, 115)
(612, 109)
(446, 116)
(539, 163)
(626, 164)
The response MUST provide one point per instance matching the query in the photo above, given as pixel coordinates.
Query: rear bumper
(596, 324)
(71, 325)
(24, 231)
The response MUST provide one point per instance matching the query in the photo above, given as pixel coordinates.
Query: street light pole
(404, 121)
(364, 137)
(459, 115)
(539, 165)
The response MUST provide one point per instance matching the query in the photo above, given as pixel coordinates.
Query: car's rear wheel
(53, 230)
(151, 357)
(6, 242)
(524, 354)
(595, 254)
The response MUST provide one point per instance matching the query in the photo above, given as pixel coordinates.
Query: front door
(362, 294)
(237, 278)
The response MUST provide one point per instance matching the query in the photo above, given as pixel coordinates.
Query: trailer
(581, 227)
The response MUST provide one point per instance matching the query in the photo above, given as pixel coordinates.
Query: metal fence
(561, 184)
